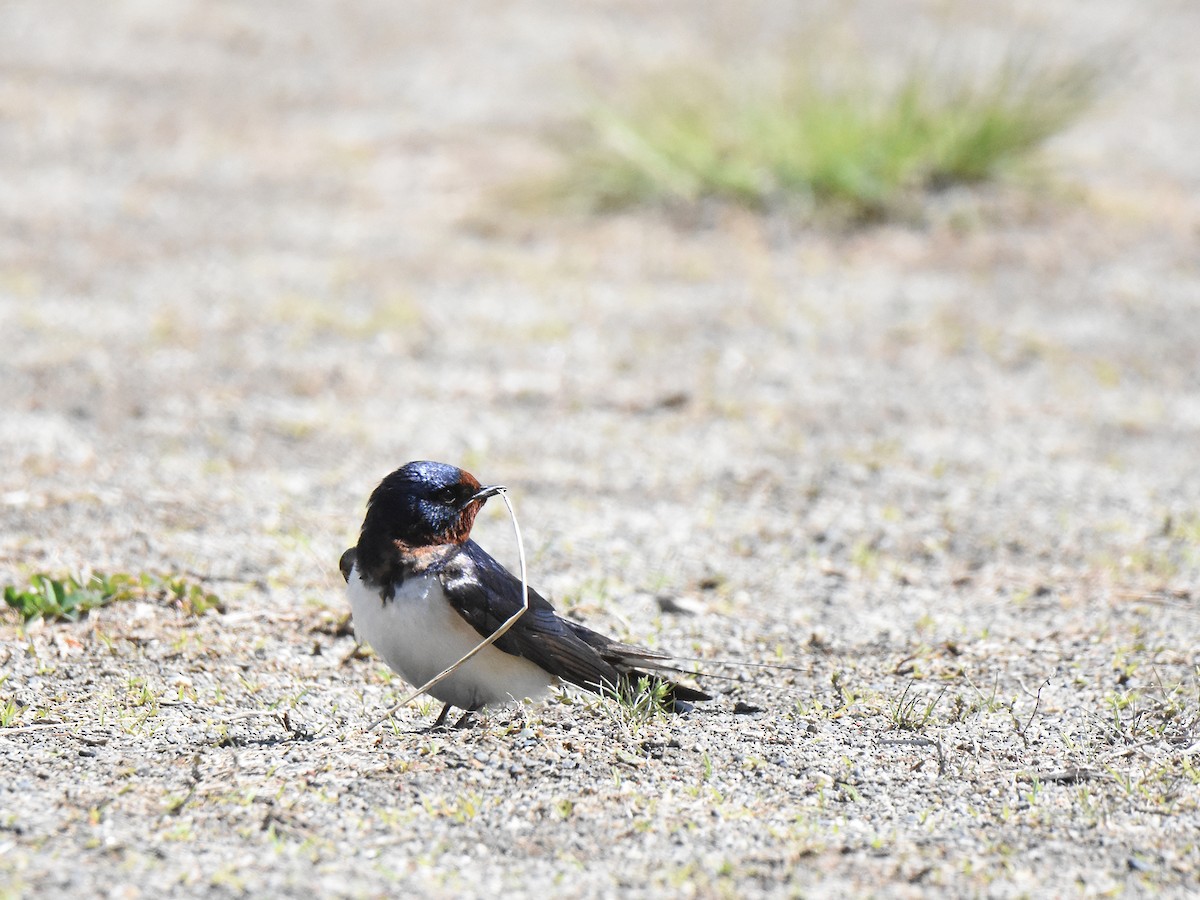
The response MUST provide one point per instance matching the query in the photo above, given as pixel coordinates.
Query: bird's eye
(446, 495)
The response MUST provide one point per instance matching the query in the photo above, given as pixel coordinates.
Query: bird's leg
(441, 719)
(466, 717)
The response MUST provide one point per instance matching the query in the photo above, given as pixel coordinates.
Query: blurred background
(856, 336)
(253, 256)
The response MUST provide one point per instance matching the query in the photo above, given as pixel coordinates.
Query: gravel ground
(251, 260)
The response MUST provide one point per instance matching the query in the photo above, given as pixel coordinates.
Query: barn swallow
(424, 594)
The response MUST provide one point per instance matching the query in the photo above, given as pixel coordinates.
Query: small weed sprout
(906, 714)
(9, 713)
(636, 705)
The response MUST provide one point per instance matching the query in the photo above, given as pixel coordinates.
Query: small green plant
(638, 703)
(9, 713)
(69, 598)
(907, 714)
(461, 808)
(186, 595)
(822, 135)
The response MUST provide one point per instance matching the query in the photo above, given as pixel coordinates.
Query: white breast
(418, 634)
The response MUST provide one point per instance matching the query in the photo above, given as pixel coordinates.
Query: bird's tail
(631, 662)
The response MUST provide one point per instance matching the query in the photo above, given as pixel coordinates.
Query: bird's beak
(483, 493)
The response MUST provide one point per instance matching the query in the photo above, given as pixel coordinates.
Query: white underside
(418, 634)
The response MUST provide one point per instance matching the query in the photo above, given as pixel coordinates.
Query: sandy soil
(251, 260)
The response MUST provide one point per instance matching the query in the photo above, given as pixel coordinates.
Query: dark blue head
(420, 504)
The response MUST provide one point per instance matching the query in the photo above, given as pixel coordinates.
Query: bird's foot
(440, 723)
(465, 721)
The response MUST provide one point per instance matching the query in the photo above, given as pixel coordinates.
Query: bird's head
(425, 503)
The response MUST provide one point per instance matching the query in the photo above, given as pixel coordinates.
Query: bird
(423, 594)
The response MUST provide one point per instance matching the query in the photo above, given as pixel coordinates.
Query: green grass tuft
(832, 143)
(635, 705)
(70, 598)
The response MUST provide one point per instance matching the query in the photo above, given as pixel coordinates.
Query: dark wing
(346, 563)
(486, 594)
